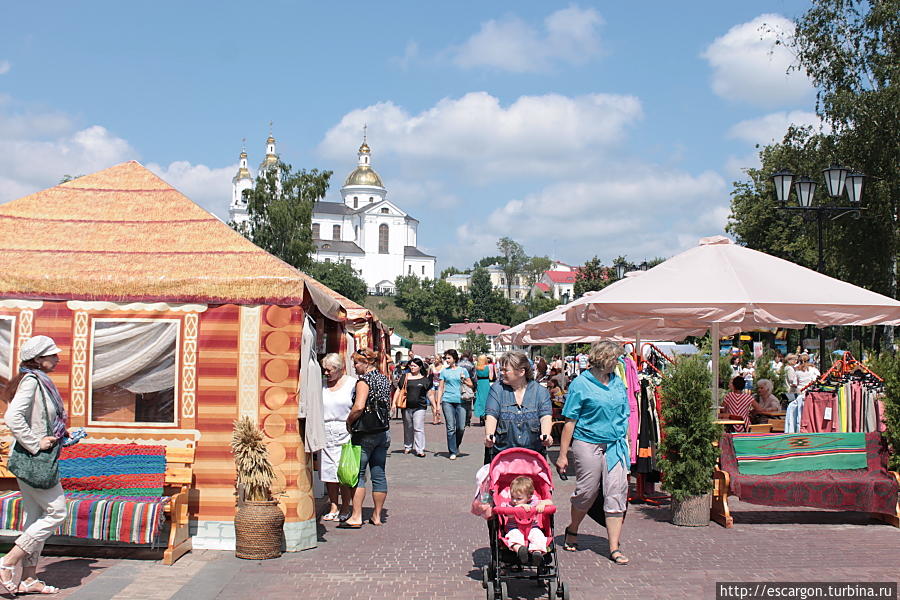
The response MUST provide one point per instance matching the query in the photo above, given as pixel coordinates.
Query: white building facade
(373, 235)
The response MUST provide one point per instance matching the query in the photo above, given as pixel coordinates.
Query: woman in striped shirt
(739, 404)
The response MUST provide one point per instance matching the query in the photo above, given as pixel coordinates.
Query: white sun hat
(39, 345)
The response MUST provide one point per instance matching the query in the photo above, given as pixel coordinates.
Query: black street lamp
(620, 270)
(837, 178)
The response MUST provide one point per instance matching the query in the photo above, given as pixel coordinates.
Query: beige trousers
(45, 510)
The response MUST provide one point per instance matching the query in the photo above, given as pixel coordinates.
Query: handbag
(401, 394)
(348, 467)
(375, 417)
(39, 470)
(465, 392)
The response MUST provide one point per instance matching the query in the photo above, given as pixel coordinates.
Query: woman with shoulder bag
(369, 424)
(37, 419)
(411, 398)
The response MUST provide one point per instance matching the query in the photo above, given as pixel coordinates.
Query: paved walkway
(431, 547)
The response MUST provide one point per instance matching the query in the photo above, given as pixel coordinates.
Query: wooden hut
(118, 266)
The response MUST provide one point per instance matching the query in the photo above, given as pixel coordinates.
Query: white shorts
(336, 435)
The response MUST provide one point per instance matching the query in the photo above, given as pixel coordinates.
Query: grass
(392, 315)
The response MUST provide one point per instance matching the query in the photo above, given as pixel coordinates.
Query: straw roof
(125, 235)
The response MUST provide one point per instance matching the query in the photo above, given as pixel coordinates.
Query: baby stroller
(494, 493)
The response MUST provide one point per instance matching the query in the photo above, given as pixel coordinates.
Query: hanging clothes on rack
(648, 436)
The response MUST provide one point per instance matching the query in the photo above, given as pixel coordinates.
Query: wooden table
(729, 421)
(775, 414)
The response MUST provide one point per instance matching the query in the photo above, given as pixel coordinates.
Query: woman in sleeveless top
(337, 399)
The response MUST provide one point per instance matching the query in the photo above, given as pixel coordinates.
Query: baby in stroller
(521, 494)
(515, 495)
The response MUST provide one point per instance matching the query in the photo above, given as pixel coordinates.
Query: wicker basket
(692, 512)
(258, 530)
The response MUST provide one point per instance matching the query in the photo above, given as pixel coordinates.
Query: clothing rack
(842, 370)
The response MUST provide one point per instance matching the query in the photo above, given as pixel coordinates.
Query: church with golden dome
(365, 230)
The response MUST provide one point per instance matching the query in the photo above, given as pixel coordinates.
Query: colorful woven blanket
(113, 493)
(770, 454)
(114, 469)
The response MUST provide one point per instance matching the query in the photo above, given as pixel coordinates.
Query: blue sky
(576, 129)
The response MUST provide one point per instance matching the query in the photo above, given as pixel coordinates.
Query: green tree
(592, 276)
(280, 209)
(488, 261)
(475, 343)
(887, 365)
(452, 271)
(687, 451)
(539, 303)
(513, 260)
(535, 267)
(340, 277)
(430, 303)
(849, 50)
(481, 292)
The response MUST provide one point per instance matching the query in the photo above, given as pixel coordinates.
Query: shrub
(688, 455)
(887, 365)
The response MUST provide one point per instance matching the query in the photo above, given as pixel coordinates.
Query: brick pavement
(431, 547)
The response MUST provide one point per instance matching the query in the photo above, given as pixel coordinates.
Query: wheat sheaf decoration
(251, 460)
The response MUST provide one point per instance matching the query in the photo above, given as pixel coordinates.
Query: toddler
(521, 493)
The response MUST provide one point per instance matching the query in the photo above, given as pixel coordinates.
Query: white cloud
(38, 148)
(570, 35)
(29, 165)
(208, 187)
(771, 128)
(749, 66)
(650, 212)
(4, 67)
(534, 136)
(765, 130)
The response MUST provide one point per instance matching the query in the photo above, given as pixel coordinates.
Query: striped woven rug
(773, 453)
(113, 493)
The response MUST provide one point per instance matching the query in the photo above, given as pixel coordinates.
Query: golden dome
(364, 176)
(364, 149)
(243, 154)
(270, 139)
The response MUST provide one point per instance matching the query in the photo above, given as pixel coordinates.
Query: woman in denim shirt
(518, 411)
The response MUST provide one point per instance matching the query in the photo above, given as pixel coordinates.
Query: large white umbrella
(723, 287)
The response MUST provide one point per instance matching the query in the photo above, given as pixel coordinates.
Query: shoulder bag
(39, 470)
(401, 393)
(375, 417)
(465, 392)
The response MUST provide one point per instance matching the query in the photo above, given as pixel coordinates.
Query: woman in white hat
(37, 419)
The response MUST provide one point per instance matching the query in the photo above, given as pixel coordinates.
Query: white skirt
(336, 435)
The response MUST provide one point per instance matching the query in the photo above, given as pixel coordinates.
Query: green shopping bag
(348, 468)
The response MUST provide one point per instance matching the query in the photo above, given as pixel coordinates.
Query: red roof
(561, 276)
(485, 328)
(542, 286)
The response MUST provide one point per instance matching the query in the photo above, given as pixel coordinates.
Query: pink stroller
(493, 494)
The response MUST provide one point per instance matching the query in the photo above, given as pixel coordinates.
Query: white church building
(365, 230)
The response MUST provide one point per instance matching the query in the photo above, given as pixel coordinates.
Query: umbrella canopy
(721, 286)
(743, 289)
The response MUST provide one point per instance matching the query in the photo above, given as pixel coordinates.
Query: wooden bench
(179, 475)
(796, 489)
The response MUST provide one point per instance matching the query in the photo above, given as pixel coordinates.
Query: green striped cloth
(770, 454)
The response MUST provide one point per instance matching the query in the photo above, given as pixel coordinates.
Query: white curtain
(309, 392)
(348, 359)
(6, 370)
(138, 356)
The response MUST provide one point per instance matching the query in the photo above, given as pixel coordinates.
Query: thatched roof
(125, 235)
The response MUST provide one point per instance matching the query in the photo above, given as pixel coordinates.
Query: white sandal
(332, 516)
(47, 589)
(10, 585)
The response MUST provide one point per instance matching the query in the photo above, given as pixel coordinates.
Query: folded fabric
(114, 469)
(770, 454)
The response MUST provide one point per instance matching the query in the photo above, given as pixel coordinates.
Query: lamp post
(837, 179)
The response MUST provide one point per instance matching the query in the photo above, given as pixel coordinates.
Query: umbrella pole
(714, 334)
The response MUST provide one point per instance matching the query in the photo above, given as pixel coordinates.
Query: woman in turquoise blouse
(483, 387)
(596, 413)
